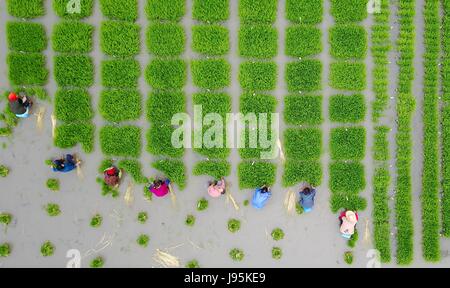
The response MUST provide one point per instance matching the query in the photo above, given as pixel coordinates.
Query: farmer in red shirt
(112, 176)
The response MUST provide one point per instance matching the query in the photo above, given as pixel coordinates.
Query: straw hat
(351, 216)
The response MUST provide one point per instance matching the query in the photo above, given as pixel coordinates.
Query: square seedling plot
(211, 40)
(165, 10)
(348, 143)
(161, 106)
(159, 141)
(166, 74)
(303, 143)
(211, 10)
(215, 169)
(348, 41)
(258, 76)
(121, 141)
(60, 7)
(304, 11)
(26, 8)
(26, 37)
(256, 174)
(120, 105)
(303, 110)
(347, 177)
(258, 11)
(348, 76)
(76, 71)
(120, 38)
(211, 73)
(345, 201)
(126, 10)
(303, 40)
(27, 69)
(296, 172)
(134, 168)
(345, 11)
(258, 41)
(120, 73)
(69, 135)
(305, 75)
(166, 39)
(72, 37)
(173, 170)
(347, 109)
(72, 105)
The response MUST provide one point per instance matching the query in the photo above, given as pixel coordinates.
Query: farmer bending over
(20, 105)
(261, 196)
(216, 188)
(348, 221)
(64, 165)
(160, 188)
(112, 176)
(307, 196)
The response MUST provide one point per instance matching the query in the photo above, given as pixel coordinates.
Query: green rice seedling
(27, 69)
(174, 170)
(72, 105)
(348, 76)
(53, 184)
(120, 105)
(73, 37)
(97, 262)
(237, 254)
(258, 41)
(299, 209)
(134, 168)
(256, 174)
(303, 110)
(296, 172)
(5, 250)
(74, 70)
(305, 75)
(192, 264)
(4, 171)
(5, 218)
(346, 201)
(348, 257)
(166, 74)
(158, 110)
(348, 143)
(211, 11)
(353, 239)
(211, 40)
(234, 225)
(348, 42)
(303, 40)
(52, 209)
(246, 203)
(215, 169)
(143, 240)
(26, 8)
(121, 141)
(303, 143)
(159, 142)
(347, 109)
(69, 135)
(121, 39)
(148, 195)
(142, 217)
(258, 11)
(190, 220)
(349, 10)
(120, 73)
(165, 10)
(347, 177)
(277, 253)
(202, 204)
(211, 73)
(85, 10)
(166, 39)
(381, 143)
(277, 234)
(381, 214)
(26, 37)
(96, 221)
(304, 11)
(47, 249)
(258, 76)
(126, 10)
(257, 103)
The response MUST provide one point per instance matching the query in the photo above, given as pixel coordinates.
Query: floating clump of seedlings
(348, 257)
(277, 234)
(353, 239)
(47, 249)
(5, 250)
(98, 262)
(234, 225)
(4, 171)
(192, 264)
(5, 218)
(53, 184)
(190, 220)
(202, 204)
(148, 195)
(299, 209)
(142, 217)
(96, 221)
(143, 240)
(52, 209)
(277, 253)
(237, 254)
(246, 202)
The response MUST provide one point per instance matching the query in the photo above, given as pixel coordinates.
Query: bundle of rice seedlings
(166, 260)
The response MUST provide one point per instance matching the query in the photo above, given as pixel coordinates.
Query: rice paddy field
(361, 88)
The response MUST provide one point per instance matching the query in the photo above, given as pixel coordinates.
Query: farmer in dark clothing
(307, 196)
(20, 105)
(64, 165)
(112, 176)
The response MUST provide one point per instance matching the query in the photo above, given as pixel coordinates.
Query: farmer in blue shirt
(307, 196)
(261, 197)
(64, 165)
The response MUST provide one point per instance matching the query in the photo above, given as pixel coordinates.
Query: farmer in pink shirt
(160, 188)
(216, 188)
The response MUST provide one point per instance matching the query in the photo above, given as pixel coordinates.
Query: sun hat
(12, 96)
(351, 216)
